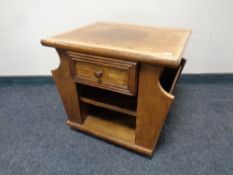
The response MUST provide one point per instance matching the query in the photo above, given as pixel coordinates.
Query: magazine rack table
(116, 80)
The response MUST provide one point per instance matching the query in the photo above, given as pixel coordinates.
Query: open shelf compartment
(110, 123)
(108, 100)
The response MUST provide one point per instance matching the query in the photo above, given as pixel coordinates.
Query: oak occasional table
(116, 81)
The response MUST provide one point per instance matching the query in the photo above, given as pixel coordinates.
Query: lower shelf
(116, 129)
(113, 130)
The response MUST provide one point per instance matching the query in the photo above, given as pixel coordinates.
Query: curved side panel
(164, 92)
(59, 66)
(67, 88)
(153, 105)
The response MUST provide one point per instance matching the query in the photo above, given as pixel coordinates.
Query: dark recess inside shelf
(113, 116)
(108, 97)
(170, 76)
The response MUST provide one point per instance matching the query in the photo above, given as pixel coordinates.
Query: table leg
(153, 105)
(67, 88)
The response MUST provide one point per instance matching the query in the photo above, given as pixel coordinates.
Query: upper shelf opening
(107, 99)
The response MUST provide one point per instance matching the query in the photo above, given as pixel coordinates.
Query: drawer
(106, 73)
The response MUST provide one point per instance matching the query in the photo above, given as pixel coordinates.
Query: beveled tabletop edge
(123, 53)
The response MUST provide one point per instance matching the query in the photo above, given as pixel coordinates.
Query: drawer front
(106, 73)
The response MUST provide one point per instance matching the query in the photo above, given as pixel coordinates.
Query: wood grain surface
(153, 105)
(155, 45)
(67, 88)
(107, 73)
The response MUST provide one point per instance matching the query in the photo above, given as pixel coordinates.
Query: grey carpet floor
(197, 137)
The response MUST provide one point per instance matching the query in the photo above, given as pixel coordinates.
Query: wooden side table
(116, 81)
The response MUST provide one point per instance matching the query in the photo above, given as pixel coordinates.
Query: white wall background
(23, 23)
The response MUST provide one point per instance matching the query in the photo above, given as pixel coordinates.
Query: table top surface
(154, 45)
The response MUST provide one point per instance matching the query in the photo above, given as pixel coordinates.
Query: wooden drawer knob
(98, 73)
